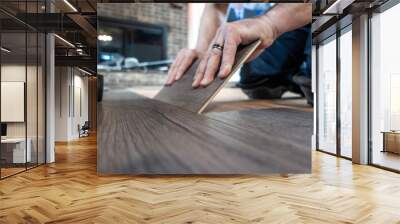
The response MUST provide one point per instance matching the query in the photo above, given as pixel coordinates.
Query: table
(391, 141)
(13, 150)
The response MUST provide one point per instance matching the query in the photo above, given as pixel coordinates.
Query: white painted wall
(80, 103)
(12, 101)
(62, 82)
(14, 73)
(33, 126)
(17, 73)
(70, 83)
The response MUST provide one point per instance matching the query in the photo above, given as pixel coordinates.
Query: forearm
(267, 27)
(286, 17)
(211, 20)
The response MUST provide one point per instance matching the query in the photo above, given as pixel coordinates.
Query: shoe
(305, 85)
(264, 88)
(294, 88)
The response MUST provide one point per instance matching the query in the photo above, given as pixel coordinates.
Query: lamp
(84, 71)
(64, 40)
(5, 50)
(70, 5)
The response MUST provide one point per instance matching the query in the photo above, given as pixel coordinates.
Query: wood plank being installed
(182, 94)
(138, 135)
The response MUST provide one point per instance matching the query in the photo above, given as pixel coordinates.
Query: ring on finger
(217, 46)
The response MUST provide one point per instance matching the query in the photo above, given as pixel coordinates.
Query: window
(119, 41)
(22, 77)
(327, 96)
(385, 89)
(346, 93)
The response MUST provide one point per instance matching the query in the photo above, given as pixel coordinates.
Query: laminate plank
(284, 123)
(182, 94)
(138, 135)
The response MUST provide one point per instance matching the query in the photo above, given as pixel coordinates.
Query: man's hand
(230, 36)
(181, 63)
(281, 18)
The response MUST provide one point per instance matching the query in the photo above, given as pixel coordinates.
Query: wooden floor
(138, 135)
(234, 99)
(70, 191)
(5, 172)
(386, 159)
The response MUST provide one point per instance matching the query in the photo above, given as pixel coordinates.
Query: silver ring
(217, 46)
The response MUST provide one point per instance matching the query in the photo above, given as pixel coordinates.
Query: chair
(84, 130)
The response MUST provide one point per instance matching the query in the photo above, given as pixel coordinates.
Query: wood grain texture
(282, 124)
(182, 94)
(70, 191)
(138, 135)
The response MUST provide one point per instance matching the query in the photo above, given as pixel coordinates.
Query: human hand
(181, 63)
(281, 18)
(230, 36)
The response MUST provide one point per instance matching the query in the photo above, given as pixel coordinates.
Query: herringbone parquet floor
(70, 191)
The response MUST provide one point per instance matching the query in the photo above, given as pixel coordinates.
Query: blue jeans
(289, 55)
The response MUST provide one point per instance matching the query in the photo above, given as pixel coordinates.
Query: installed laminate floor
(232, 98)
(70, 191)
(138, 135)
(282, 124)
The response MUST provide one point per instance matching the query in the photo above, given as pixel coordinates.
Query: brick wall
(174, 16)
